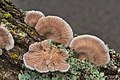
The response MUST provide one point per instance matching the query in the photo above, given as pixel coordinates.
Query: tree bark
(11, 61)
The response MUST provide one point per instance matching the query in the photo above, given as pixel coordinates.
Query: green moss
(4, 21)
(7, 15)
(15, 56)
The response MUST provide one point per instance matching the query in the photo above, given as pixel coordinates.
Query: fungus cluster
(6, 39)
(51, 27)
(45, 58)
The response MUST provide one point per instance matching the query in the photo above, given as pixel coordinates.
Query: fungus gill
(44, 58)
(55, 28)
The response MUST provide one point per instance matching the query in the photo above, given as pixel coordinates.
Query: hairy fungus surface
(44, 58)
(55, 28)
(32, 17)
(6, 39)
(91, 48)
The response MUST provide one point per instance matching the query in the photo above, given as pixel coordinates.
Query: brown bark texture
(13, 18)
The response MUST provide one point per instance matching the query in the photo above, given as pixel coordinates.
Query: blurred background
(95, 17)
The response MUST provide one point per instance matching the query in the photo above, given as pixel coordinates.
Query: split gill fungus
(91, 48)
(55, 28)
(6, 39)
(44, 58)
(32, 17)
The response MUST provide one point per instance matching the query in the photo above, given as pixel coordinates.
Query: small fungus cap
(6, 39)
(91, 48)
(55, 28)
(44, 58)
(32, 17)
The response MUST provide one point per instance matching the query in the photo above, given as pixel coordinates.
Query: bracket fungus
(91, 48)
(55, 28)
(32, 17)
(6, 39)
(44, 58)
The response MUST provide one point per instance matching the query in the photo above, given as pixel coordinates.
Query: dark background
(96, 17)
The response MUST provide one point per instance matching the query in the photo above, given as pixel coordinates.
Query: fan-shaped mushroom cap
(6, 39)
(32, 17)
(45, 58)
(91, 48)
(55, 28)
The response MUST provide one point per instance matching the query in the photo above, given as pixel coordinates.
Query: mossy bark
(13, 18)
(11, 61)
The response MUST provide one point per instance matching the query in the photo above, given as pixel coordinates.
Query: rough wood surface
(9, 65)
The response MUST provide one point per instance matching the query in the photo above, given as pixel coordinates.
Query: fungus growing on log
(6, 39)
(32, 17)
(91, 48)
(44, 58)
(55, 28)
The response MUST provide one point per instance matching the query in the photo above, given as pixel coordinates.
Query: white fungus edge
(26, 63)
(65, 70)
(41, 70)
(11, 42)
